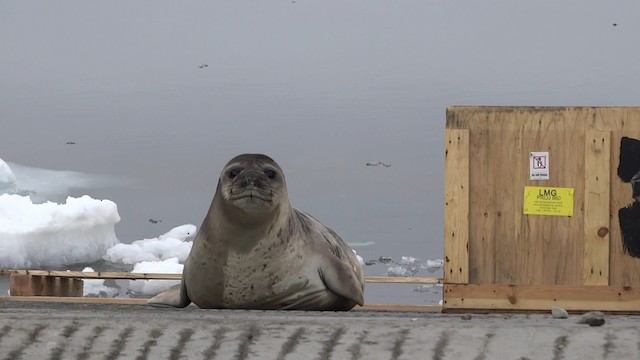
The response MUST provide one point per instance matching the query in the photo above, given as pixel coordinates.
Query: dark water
(321, 86)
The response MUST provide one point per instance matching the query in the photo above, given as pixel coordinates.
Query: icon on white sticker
(539, 165)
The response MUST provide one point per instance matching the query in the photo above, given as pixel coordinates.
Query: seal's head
(252, 184)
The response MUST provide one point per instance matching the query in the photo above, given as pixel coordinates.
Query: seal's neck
(237, 230)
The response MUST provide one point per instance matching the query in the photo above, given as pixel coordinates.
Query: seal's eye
(270, 174)
(233, 172)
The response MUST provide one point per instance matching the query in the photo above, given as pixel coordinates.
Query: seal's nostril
(253, 178)
(250, 180)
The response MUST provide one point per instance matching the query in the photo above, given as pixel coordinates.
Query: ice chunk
(165, 246)
(409, 260)
(154, 287)
(429, 289)
(409, 264)
(360, 259)
(97, 288)
(51, 234)
(401, 271)
(433, 265)
(181, 233)
(7, 178)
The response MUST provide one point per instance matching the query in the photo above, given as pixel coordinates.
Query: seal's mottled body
(255, 251)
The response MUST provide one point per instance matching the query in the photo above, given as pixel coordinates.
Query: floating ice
(429, 289)
(169, 245)
(400, 271)
(97, 288)
(409, 260)
(433, 265)
(409, 265)
(154, 287)
(51, 234)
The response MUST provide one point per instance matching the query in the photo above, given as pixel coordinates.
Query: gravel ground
(101, 331)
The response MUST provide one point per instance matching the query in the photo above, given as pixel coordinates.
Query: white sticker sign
(539, 165)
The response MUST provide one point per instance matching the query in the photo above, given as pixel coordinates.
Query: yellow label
(541, 200)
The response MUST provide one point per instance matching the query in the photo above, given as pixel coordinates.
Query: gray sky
(320, 47)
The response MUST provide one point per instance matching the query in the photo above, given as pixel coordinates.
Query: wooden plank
(403, 280)
(624, 270)
(77, 300)
(156, 276)
(399, 307)
(68, 287)
(597, 174)
(558, 240)
(483, 215)
(541, 297)
(94, 275)
(456, 206)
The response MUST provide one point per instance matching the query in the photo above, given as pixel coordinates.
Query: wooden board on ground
(541, 297)
(124, 301)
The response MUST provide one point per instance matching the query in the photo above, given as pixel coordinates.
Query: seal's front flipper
(175, 296)
(344, 279)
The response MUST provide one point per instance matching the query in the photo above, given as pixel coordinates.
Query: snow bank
(51, 234)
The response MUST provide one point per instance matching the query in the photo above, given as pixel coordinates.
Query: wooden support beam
(541, 297)
(456, 206)
(34, 285)
(93, 275)
(597, 170)
(75, 300)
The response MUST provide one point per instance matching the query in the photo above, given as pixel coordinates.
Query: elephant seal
(255, 251)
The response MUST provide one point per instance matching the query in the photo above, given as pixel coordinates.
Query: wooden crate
(498, 257)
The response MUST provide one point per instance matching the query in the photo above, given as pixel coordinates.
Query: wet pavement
(101, 331)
